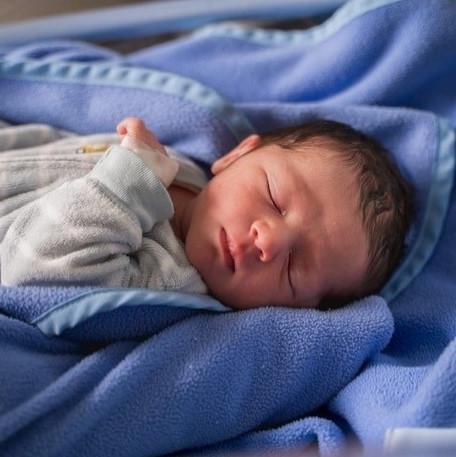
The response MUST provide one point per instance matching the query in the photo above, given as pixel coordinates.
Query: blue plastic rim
(155, 18)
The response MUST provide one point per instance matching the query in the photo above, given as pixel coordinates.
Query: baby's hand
(135, 135)
(139, 139)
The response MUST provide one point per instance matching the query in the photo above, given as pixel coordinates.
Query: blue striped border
(434, 216)
(115, 74)
(80, 308)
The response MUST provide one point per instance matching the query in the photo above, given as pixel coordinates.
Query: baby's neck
(183, 201)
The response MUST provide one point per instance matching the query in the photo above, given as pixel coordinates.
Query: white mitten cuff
(156, 159)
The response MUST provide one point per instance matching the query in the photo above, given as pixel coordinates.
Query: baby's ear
(244, 147)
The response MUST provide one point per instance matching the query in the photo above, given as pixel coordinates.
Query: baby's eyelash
(272, 199)
(289, 274)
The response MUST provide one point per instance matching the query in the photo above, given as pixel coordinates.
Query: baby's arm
(87, 230)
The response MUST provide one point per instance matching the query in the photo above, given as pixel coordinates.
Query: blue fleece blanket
(144, 373)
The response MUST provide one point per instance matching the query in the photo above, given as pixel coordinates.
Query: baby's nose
(269, 240)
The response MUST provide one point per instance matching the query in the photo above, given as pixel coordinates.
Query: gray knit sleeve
(87, 230)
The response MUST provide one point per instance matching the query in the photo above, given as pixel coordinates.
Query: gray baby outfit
(68, 218)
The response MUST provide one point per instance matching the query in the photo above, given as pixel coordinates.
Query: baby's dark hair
(385, 197)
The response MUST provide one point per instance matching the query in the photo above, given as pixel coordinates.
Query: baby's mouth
(228, 259)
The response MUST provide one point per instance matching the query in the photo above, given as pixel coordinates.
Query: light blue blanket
(145, 373)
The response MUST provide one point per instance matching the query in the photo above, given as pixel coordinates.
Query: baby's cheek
(247, 294)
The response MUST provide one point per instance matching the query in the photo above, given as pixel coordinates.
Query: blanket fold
(197, 382)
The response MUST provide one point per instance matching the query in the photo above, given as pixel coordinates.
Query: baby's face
(280, 228)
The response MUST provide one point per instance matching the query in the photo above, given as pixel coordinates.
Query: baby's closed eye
(289, 272)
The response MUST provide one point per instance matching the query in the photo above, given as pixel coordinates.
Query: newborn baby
(308, 216)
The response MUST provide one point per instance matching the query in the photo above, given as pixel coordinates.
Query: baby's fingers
(130, 124)
(121, 129)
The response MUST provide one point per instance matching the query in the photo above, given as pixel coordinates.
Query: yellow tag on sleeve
(93, 148)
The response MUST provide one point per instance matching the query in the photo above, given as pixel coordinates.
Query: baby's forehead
(320, 170)
(313, 154)
(325, 148)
